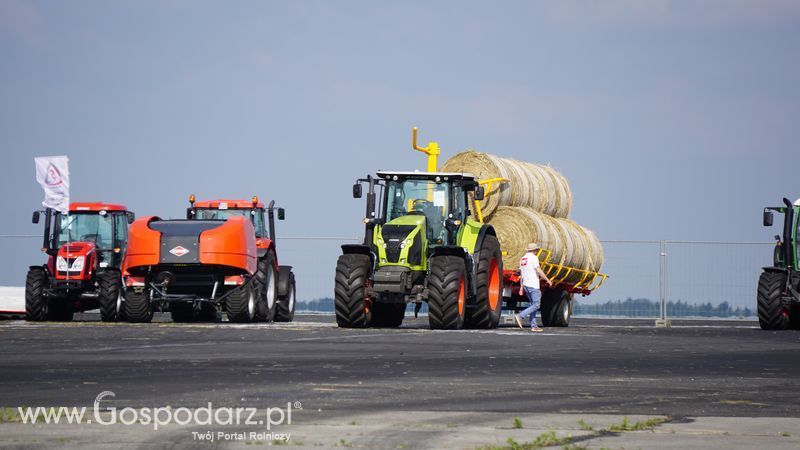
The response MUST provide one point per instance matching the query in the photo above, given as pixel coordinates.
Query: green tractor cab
(778, 295)
(421, 244)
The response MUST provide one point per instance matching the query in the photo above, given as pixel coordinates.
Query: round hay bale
(570, 244)
(535, 186)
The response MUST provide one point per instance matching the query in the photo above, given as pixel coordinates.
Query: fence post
(663, 321)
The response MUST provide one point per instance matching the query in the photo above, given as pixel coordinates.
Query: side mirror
(131, 217)
(190, 213)
(767, 218)
(35, 218)
(479, 194)
(357, 190)
(281, 213)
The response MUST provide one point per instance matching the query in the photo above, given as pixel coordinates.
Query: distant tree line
(630, 307)
(644, 307)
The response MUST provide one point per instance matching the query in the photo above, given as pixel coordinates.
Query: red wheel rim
(461, 296)
(494, 284)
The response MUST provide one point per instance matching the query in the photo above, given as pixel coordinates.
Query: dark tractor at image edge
(778, 293)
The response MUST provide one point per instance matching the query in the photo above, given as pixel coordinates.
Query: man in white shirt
(530, 274)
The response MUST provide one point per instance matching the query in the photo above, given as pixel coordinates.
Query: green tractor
(779, 285)
(420, 245)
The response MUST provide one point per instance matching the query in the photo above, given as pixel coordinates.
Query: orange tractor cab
(279, 302)
(85, 250)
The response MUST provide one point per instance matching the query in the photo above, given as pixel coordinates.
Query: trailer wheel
(35, 300)
(447, 286)
(556, 308)
(267, 289)
(489, 292)
(284, 309)
(137, 306)
(771, 313)
(388, 315)
(240, 305)
(109, 294)
(352, 279)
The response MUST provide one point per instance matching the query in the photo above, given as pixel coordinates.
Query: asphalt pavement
(606, 370)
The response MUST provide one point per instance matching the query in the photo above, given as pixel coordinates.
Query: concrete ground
(596, 384)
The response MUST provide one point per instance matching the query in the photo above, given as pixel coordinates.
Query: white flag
(52, 173)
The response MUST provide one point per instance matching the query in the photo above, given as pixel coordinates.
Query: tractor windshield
(224, 214)
(421, 197)
(87, 227)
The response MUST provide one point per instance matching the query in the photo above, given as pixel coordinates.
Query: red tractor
(85, 249)
(278, 303)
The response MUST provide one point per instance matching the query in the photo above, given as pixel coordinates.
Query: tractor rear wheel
(284, 309)
(771, 313)
(388, 315)
(240, 304)
(137, 306)
(350, 297)
(447, 287)
(109, 293)
(489, 283)
(267, 279)
(35, 300)
(556, 308)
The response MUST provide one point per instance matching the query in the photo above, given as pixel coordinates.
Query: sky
(671, 119)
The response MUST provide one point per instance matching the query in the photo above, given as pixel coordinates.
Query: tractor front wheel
(350, 297)
(35, 300)
(137, 306)
(489, 284)
(447, 287)
(109, 293)
(771, 313)
(267, 279)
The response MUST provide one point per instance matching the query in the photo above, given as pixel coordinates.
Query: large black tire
(447, 287)
(284, 310)
(35, 301)
(556, 308)
(352, 278)
(137, 306)
(267, 286)
(109, 294)
(771, 313)
(388, 315)
(488, 306)
(240, 304)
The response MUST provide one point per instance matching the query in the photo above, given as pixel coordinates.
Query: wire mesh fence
(647, 279)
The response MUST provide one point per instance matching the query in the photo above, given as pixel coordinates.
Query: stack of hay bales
(533, 207)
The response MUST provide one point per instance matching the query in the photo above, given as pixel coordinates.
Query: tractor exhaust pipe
(47, 218)
(788, 245)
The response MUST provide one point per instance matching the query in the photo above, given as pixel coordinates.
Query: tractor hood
(402, 240)
(74, 260)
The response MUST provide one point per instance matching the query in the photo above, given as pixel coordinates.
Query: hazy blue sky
(671, 120)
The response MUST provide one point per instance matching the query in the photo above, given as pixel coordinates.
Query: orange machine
(85, 249)
(278, 299)
(191, 268)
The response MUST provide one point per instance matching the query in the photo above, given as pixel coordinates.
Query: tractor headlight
(402, 245)
(61, 264)
(77, 265)
(408, 241)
